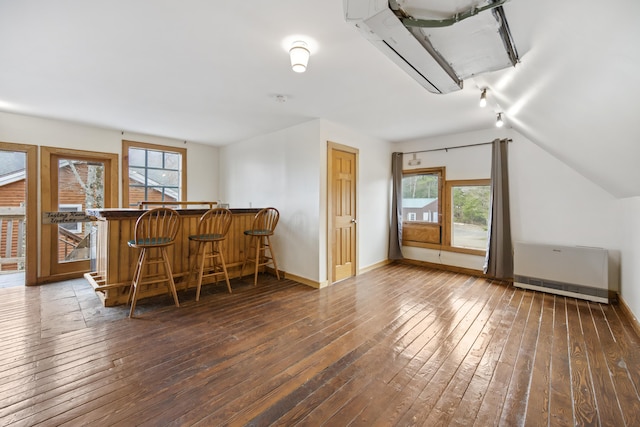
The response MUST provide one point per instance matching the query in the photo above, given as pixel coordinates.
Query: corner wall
(374, 187)
(288, 169)
(280, 169)
(630, 259)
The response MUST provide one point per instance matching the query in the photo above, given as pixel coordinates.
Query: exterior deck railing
(12, 238)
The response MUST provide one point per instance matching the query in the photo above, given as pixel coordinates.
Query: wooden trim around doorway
(331, 146)
(31, 197)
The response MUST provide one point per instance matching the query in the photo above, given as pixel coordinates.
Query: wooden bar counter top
(115, 261)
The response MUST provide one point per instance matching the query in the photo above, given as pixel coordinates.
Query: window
(440, 214)
(468, 214)
(153, 173)
(74, 227)
(420, 194)
(421, 207)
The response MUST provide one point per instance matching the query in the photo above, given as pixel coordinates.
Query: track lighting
(499, 121)
(483, 98)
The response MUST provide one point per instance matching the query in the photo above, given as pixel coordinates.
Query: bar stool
(213, 227)
(262, 227)
(155, 229)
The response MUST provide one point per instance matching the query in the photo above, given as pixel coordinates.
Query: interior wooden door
(342, 173)
(73, 181)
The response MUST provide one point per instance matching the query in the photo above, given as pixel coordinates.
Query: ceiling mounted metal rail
(454, 147)
(410, 21)
(498, 12)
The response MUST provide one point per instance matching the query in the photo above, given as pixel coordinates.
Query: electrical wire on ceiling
(452, 148)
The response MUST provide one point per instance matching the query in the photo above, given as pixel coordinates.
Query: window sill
(445, 248)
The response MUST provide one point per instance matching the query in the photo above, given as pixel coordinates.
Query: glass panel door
(72, 182)
(80, 187)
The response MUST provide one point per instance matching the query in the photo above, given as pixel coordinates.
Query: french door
(73, 181)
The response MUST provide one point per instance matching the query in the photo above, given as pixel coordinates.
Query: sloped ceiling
(210, 72)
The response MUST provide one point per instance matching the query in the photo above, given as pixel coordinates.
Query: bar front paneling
(115, 261)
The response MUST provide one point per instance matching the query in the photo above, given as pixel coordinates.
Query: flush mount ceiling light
(483, 98)
(499, 121)
(299, 54)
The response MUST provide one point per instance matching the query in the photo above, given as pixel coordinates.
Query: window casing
(467, 208)
(440, 214)
(74, 227)
(153, 173)
(422, 206)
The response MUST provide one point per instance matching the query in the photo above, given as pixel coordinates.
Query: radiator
(574, 271)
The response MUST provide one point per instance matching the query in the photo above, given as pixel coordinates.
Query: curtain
(395, 233)
(499, 259)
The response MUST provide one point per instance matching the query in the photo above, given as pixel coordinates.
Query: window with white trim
(74, 227)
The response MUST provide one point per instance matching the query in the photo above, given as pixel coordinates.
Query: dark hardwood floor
(400, 345)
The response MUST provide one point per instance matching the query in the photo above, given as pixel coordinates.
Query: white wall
(374, 177)
(202, 175)
(287, 169)
(630, 254)
(280, 169)
(550, 202)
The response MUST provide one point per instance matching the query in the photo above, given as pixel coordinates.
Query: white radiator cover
(574, 271)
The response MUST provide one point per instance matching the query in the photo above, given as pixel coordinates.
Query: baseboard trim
(374, 266)
(304, 280)
(627, 312)
(450, 268)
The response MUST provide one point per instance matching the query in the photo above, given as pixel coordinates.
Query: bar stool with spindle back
(155, 229)
(213, 227)
(262, 227)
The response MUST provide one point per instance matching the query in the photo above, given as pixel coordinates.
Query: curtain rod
(453, 148)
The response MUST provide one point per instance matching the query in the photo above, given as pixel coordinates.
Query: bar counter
(114, 261)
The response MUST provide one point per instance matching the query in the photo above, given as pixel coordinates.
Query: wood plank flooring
(400, 345)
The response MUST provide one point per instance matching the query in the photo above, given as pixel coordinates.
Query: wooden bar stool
(213, 227)
(262, 227)
(155, 229)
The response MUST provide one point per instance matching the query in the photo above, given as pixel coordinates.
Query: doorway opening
(17, 215)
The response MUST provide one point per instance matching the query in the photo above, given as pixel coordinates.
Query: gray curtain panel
(499, 259)
(395, 232)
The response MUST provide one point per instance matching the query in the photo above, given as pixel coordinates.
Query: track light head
(483, 98)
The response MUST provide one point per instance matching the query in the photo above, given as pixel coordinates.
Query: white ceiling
(209, 72)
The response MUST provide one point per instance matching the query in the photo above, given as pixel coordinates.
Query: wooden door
(342, 172)
(73, 181)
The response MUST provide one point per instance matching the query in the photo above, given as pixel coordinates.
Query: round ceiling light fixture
(299, 54)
